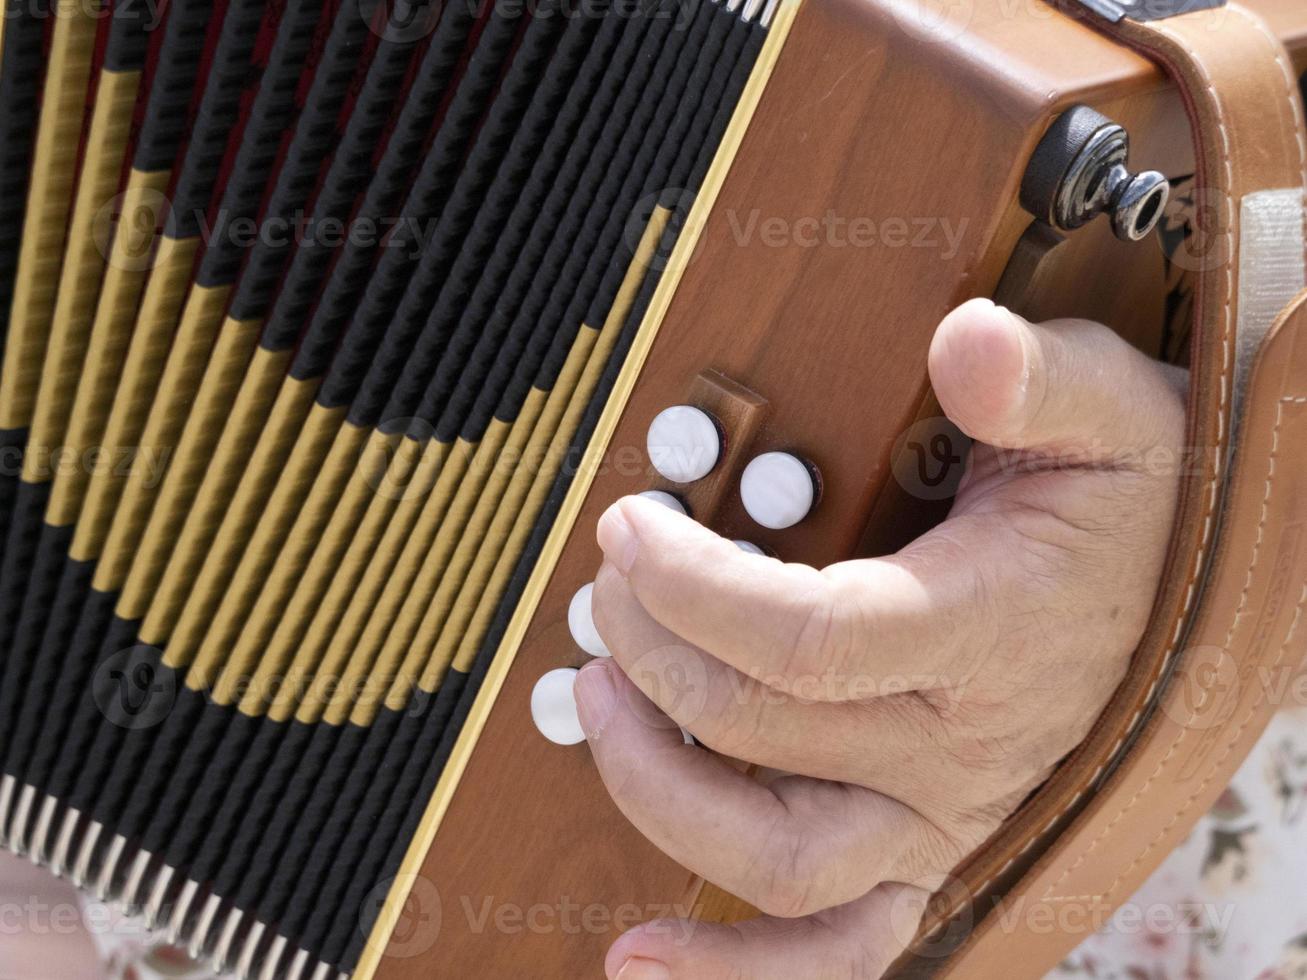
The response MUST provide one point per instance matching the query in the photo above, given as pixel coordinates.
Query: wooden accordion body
(268, 659)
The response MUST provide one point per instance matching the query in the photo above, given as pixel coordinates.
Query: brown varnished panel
(869, 116)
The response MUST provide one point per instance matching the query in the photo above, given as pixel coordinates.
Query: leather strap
(1226, 621)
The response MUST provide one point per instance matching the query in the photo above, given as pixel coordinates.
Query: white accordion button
(750, 547)
(553, 707)
(777, 490)
(666, 499)
(580, 620)
(683, 443)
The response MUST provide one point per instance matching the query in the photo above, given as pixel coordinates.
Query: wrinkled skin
(903, 705)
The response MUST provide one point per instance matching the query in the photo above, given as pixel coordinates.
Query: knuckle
(864, 961)
(1063, 559)
(979, 753)
(787, 884)
(605, 597)
(731, 726)
(990, 775)
(938, 853)
(825, 638)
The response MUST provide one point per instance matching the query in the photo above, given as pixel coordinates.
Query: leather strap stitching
(1291, 96)
(1212, 487)
(1222, 438)
(1164, 762)
(1212, 491)
(1255, 705)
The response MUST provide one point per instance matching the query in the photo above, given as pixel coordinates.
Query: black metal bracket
(1146, 10)
(1078, 171)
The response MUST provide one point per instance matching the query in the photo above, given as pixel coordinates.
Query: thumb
(1060, 386)
(860, 939)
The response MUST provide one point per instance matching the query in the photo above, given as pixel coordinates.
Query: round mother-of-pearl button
(580, 620)
(668, 500)
(683, 443)
(777, 490)
(553, 707)
(750, 547)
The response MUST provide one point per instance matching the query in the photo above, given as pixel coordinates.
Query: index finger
(867, 619)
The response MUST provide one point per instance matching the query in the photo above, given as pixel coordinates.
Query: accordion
(331, 327)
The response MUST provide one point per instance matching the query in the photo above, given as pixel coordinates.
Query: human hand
(917, 698)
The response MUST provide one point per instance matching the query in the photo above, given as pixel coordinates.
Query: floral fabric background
(1231, 902)
(130, 952)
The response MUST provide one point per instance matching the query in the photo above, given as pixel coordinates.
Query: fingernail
(596, 697)
(640, 968)
(617, 539)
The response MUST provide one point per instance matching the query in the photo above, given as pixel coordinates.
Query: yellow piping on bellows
(150, 342)
(469, 468)
(269, 495)
(228, 366)
(392, 910)
(459, 536)
(357, 524)
(111, 333)
(45, 222)
(82, 271)
(188, 358)
(460, 639)
(463, 587)
(268, 411)
(330, 513)
(329, 643)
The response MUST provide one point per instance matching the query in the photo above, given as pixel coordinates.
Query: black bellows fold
(310, 310)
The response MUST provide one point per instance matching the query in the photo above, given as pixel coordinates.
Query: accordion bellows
(308, 308)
